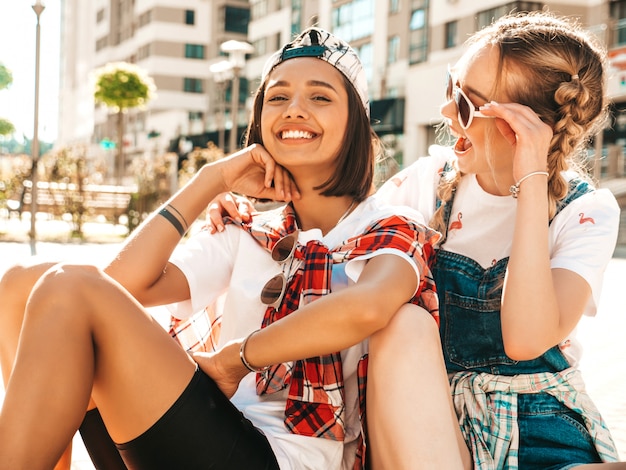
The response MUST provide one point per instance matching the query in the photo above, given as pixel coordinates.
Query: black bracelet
(181, 215)
(173, 220)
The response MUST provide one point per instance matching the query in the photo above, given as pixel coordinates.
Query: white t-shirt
(232, 265)
(581, 237)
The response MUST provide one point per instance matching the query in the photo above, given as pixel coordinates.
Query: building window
(260, 47)
(393, 49)
(277, 42)
(100, 15)
(618, 13)
(296, 16)
(145, 18)
(394, 6)
(366, 54)
(143, 52)
(190, 17)
(102, 43)
(194, 51)
(418, 35)
(618, 9)
(196, 115)
(451, 34)
(192, 85)
(236, 20)
(243, 91)
(354, 20)
(258, 9)
(486, 17)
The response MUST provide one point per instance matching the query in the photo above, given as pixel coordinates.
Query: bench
(60, 198)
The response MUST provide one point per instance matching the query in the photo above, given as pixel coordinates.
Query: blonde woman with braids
(526, 241)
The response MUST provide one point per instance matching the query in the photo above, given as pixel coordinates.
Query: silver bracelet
(242, 355)
(515, 188)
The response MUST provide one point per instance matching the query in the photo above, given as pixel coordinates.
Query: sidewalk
(603, 364)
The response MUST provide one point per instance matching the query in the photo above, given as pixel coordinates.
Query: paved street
(604, 362)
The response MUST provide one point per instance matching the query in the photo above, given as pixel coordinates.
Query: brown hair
(559, 72)
(354, 174)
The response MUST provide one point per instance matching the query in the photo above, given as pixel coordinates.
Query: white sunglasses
(467, 110)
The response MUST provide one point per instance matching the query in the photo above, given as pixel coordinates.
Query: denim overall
(551, 435)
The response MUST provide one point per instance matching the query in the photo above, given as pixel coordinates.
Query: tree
(121, 86)
(6, 77)
(6, 127)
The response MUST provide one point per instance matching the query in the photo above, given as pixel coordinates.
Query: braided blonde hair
(560, 74)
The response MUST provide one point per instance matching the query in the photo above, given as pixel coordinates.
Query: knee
(64, 283)
(19, 279)
(410, 327)
(16, 284)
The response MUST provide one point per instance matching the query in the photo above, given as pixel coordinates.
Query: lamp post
(221, 71)
(236, 51)
(38, 8)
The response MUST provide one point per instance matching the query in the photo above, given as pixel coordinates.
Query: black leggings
(99, 445)
(202, 430)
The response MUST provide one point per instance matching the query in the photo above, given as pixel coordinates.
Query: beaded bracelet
(242, 355)
(515, 188)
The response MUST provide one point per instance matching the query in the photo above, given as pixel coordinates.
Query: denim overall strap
(470, 302)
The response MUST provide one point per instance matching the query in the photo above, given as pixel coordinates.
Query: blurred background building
(405, 46)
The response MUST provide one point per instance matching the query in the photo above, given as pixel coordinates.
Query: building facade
(405, 46)
(173, 41)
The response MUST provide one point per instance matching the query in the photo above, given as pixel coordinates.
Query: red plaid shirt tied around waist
(315, 403)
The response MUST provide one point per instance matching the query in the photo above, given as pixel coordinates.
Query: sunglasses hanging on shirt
(283, 252)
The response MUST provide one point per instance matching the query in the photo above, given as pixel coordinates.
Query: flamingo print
(584, 219)
(398, 181)
(457, 224)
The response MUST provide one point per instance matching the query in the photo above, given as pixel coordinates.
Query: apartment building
(174, 41)
(405, 46)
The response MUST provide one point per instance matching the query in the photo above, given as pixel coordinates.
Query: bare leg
(65, 462)
(15, 287)
(410, 418)
(93, 338)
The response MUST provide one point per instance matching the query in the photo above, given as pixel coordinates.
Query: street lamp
(236, 51)
(222, 71)
(38, 8)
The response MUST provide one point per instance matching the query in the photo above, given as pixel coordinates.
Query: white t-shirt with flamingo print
(581, 237)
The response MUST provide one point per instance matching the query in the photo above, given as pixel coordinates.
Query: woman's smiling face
(305, 114)
(481, 148)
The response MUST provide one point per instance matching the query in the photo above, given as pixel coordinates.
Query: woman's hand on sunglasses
(526, 132)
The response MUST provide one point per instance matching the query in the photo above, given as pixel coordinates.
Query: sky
(17, 52)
